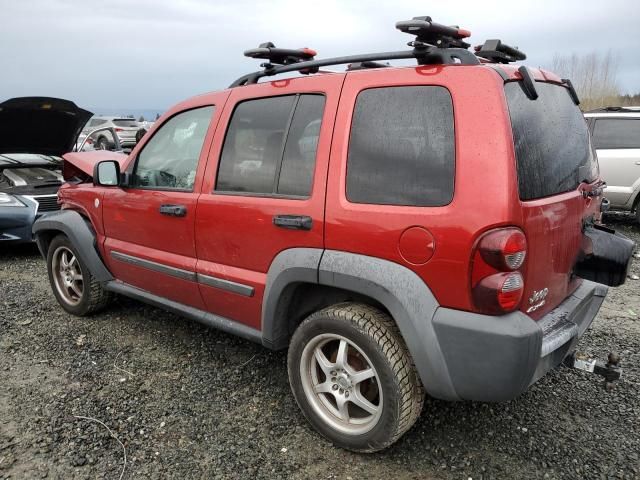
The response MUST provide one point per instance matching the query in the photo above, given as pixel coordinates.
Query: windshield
(552, 143)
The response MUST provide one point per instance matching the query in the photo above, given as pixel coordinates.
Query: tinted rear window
(125, 122)
(401, 150)
(552, 143)
(617, 133)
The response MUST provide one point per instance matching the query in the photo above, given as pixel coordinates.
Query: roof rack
(615, 109)
(433, 44)
(498, 52)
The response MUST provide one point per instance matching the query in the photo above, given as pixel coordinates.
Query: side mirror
(106, 173)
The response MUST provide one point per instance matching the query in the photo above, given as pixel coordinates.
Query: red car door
(264, 188)
(149, 225)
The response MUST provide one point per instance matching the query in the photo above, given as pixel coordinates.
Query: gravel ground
(190, 402)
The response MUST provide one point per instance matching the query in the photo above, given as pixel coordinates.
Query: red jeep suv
(401, 230)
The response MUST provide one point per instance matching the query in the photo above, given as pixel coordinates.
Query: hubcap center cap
(343, 381)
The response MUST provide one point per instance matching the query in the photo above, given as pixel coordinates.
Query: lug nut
(346, 394)
(333, 372)
(341, 391)
(334, 387)
(333, 379)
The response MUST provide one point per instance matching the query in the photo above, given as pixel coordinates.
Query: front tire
(75, 289)
(353, 377)
(102, 144)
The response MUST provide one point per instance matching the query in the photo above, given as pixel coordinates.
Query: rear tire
(75, 289)
(353, 377)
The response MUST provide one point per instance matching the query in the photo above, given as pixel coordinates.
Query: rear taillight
(119, 129)
(496, 282)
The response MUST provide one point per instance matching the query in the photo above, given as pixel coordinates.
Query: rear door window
(617, 133)
(401, 148)
(270, 146)
(552, 142)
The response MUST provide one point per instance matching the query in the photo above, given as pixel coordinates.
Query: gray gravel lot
(190, 402)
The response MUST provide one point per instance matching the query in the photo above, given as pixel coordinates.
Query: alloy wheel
(67, 275)
(341, 384)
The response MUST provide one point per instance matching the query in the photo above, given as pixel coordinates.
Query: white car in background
(616, 137)
(127, 130)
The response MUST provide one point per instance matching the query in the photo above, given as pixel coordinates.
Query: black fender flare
(80, 234)
(402, 292)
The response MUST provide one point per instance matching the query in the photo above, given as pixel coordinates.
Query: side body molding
(74, 226)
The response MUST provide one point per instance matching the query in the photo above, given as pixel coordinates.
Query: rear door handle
(293, 222)
(637, 163)
(173, 210)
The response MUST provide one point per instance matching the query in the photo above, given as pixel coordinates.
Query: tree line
(595, 78)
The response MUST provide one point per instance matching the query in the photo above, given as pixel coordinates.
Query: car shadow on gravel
(10, 252)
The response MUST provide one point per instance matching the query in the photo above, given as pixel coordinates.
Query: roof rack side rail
(434, 44)
(425, 56)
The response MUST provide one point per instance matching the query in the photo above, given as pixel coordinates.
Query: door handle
(293, 222)
(173, 210)
(637, 163)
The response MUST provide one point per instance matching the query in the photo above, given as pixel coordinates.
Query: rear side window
(401, 149)
(270, 146)
(552, 143)
(617, 133)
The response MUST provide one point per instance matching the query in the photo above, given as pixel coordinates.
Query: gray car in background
(616, 137)
(127, 130)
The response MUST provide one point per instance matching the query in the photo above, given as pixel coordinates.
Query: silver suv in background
(126, 128)
(616, 136)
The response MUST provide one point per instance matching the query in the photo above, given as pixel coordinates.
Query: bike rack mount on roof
(498, 52)
(434, 44)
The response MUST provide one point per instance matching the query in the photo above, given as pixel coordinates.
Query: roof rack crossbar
(424, 55)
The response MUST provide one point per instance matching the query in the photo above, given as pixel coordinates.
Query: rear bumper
(493, 359)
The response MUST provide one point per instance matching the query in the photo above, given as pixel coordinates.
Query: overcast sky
(152, 53)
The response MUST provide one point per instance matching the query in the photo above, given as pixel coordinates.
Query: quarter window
(169, 160)
(270, 146)
(401, 149)
(617, 133)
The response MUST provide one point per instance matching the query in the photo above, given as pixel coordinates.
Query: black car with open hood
(34, 133)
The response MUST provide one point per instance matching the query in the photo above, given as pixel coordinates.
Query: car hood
(40, 125)
(85, 161)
